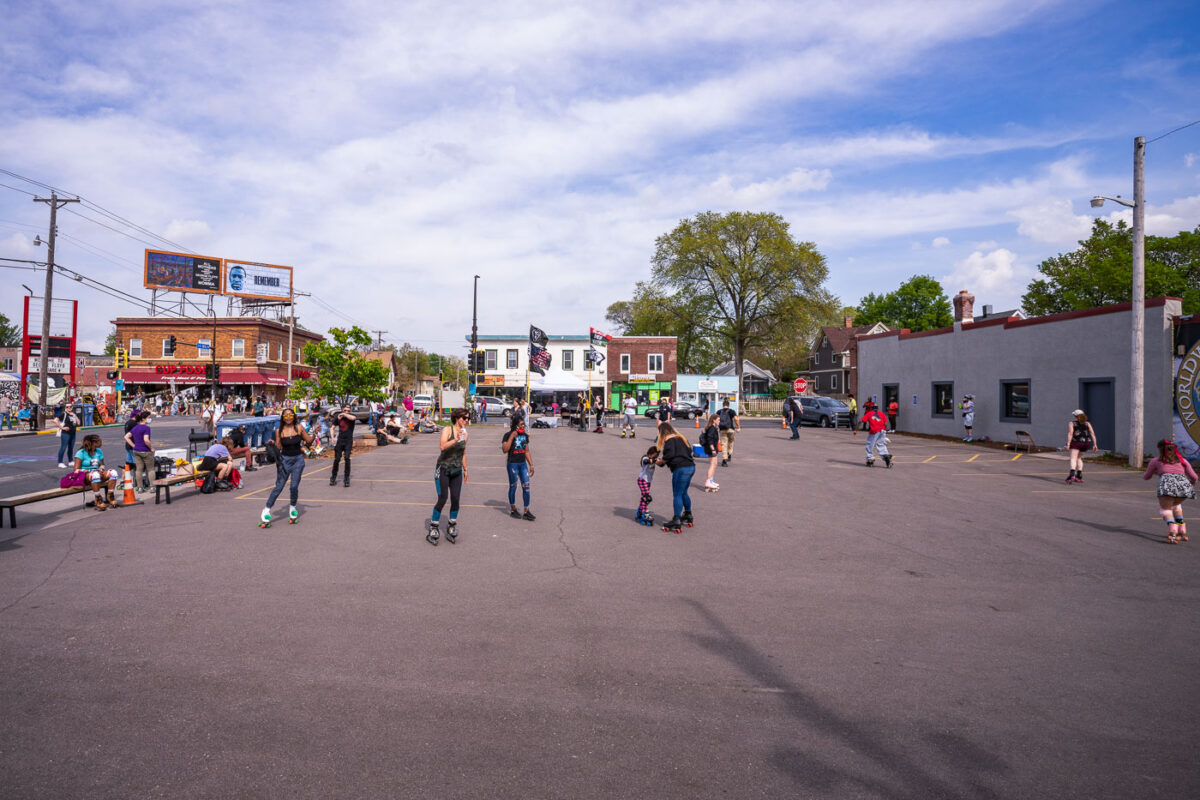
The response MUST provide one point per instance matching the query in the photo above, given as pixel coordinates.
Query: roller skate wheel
(264, 524)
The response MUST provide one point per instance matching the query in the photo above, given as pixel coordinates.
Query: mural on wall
(1186, 419)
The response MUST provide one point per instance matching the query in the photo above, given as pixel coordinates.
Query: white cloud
(18, 245)
(189, 232)
(1189, 160)
(1052, 221)
(940, 241)
(87, 79)
(994, 277)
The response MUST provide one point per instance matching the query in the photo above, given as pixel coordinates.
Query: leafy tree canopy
(10, 335)
(919, 304)
(342, 371)
(745, 281)
(110, 344)
(1100, 271)
(653, 312)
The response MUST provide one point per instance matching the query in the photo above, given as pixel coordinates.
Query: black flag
(538, 336)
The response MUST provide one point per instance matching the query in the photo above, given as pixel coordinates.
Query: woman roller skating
(1080, 439)
(709, 440)
(290, 438)
(448, 476)
(676, 454)
(1176, 482)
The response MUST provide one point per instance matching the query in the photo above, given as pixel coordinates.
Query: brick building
(644, 366)
(252, 353)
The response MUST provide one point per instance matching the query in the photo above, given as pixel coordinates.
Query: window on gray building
(1014, 401)
(833, 382)
(943, 399)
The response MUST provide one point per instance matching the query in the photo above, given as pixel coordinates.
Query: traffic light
(112, 374)
(121, 359)
(171, 346)
(212, 372)
(478, 361)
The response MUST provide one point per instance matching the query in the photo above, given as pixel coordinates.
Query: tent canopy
(555, 380)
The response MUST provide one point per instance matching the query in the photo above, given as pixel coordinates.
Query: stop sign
(800, 385)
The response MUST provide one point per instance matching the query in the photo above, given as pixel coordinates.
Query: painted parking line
(1088, 491)
(427, 504)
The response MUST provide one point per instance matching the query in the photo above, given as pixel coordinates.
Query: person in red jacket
(877, 425)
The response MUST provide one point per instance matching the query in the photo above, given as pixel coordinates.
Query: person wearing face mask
(520, 467)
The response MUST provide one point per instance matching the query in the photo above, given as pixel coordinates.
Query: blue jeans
(371, 421)
(285, 467)
(66, 447)
(795, 426)
(518, 471)
(681, 479)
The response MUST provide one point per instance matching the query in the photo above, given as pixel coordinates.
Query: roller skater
(876, 424)
(645, 478)
(1081, 437)
(1176, 480)
(710, 439)
(676, 454)
(290, 440)
(629, 406)
(449, 474)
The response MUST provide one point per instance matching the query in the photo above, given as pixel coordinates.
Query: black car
(823, 411)
(682, 410)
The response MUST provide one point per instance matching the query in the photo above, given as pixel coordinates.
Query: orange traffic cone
(129, 499)
(697, 422)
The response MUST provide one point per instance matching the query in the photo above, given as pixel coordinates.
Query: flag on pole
(599, 337)
(594, 356)
(539, 359)
(538, 336)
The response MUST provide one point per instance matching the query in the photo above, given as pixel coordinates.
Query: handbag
(72, 480)
(209, 484)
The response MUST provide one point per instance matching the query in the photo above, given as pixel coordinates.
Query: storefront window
(943, 399)
(1015, 396)
(654, 363)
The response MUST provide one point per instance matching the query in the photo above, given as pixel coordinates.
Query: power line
(111, 228)
(15, 189)
(1177, 130)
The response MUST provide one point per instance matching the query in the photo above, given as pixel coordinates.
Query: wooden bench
(165, 484)
(1024, 439)
(11, 503)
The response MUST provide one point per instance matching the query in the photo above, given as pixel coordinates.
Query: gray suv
(823, 411)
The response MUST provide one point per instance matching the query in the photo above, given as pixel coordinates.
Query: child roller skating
(876, 424)
(1176, 480)
(645, 478)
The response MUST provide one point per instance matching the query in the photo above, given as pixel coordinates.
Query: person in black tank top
(290, 439)
(1080, 438)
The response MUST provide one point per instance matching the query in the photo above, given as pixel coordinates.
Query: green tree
(919, 304)
(341, 370)
(652, 312)
(10, 335)
(110, 344)
(744, 275)
(1100, 271)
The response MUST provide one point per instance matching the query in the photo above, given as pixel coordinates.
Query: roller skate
(452, 532)
(633, 434)
(711, 486)
(644, 519)
(432, 534)
(674, 525)
(687, 518)
(870, 462)
(1182, 528)
(888, 461)
(293, 515)
(622, 434)
(265, 520)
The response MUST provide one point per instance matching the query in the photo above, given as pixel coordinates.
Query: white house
(506, 360)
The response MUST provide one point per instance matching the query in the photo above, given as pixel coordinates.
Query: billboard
(182, 272)
(262, 281)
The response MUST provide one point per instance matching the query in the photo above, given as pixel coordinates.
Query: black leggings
(447, 486)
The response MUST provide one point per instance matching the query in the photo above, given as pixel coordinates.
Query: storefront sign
(638, 378)
(180, 369)
(706, 385)
(491, 380)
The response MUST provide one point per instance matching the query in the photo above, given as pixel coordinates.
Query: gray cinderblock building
(1025, 374)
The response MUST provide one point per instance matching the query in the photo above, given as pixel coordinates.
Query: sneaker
(333, 481)
(514, 513)
(62, 466)
(528, 515)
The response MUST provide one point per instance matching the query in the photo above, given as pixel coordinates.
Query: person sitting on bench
(89, 460)
(392, 431)
(240, 449)
(218, 460)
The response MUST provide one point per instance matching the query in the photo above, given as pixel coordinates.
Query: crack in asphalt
(61, 561)
(562, 517)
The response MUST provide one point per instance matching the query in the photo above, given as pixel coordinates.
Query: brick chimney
(964, 308)
(848, 322)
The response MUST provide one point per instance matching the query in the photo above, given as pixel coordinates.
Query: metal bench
(165, 484)
(11, 503)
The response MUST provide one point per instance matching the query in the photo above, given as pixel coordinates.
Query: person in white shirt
(630, 406)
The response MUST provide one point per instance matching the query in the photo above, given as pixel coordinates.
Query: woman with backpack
(290, 440)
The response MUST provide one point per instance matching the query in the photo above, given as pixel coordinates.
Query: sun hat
(1077, 412)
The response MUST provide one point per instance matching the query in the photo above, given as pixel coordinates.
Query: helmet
(968, 397)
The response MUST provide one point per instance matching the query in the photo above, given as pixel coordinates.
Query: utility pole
(379, 339)
(1137, 377)
(471, 374)
(55, 203)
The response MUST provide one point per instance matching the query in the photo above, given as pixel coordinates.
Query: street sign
(800, 385)
(119, 385)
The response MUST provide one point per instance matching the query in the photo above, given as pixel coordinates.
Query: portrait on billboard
(261, 281)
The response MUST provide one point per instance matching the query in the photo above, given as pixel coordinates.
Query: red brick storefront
(644, 366)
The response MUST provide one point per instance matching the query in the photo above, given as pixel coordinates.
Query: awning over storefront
(229, 377)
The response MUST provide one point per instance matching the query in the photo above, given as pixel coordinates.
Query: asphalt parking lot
(962, 625)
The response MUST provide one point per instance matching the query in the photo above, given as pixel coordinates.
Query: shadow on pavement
(1116, 529)
(908, 777)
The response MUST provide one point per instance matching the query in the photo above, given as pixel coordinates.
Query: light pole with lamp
(1137, 311)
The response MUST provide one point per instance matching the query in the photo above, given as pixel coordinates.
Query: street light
(1137, 311)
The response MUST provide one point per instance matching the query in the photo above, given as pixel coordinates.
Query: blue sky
(391, 151)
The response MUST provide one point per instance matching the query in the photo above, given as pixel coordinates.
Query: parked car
(425, 401)
(823, 411)
(497, 406)
(358, 407)
(682, 410)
